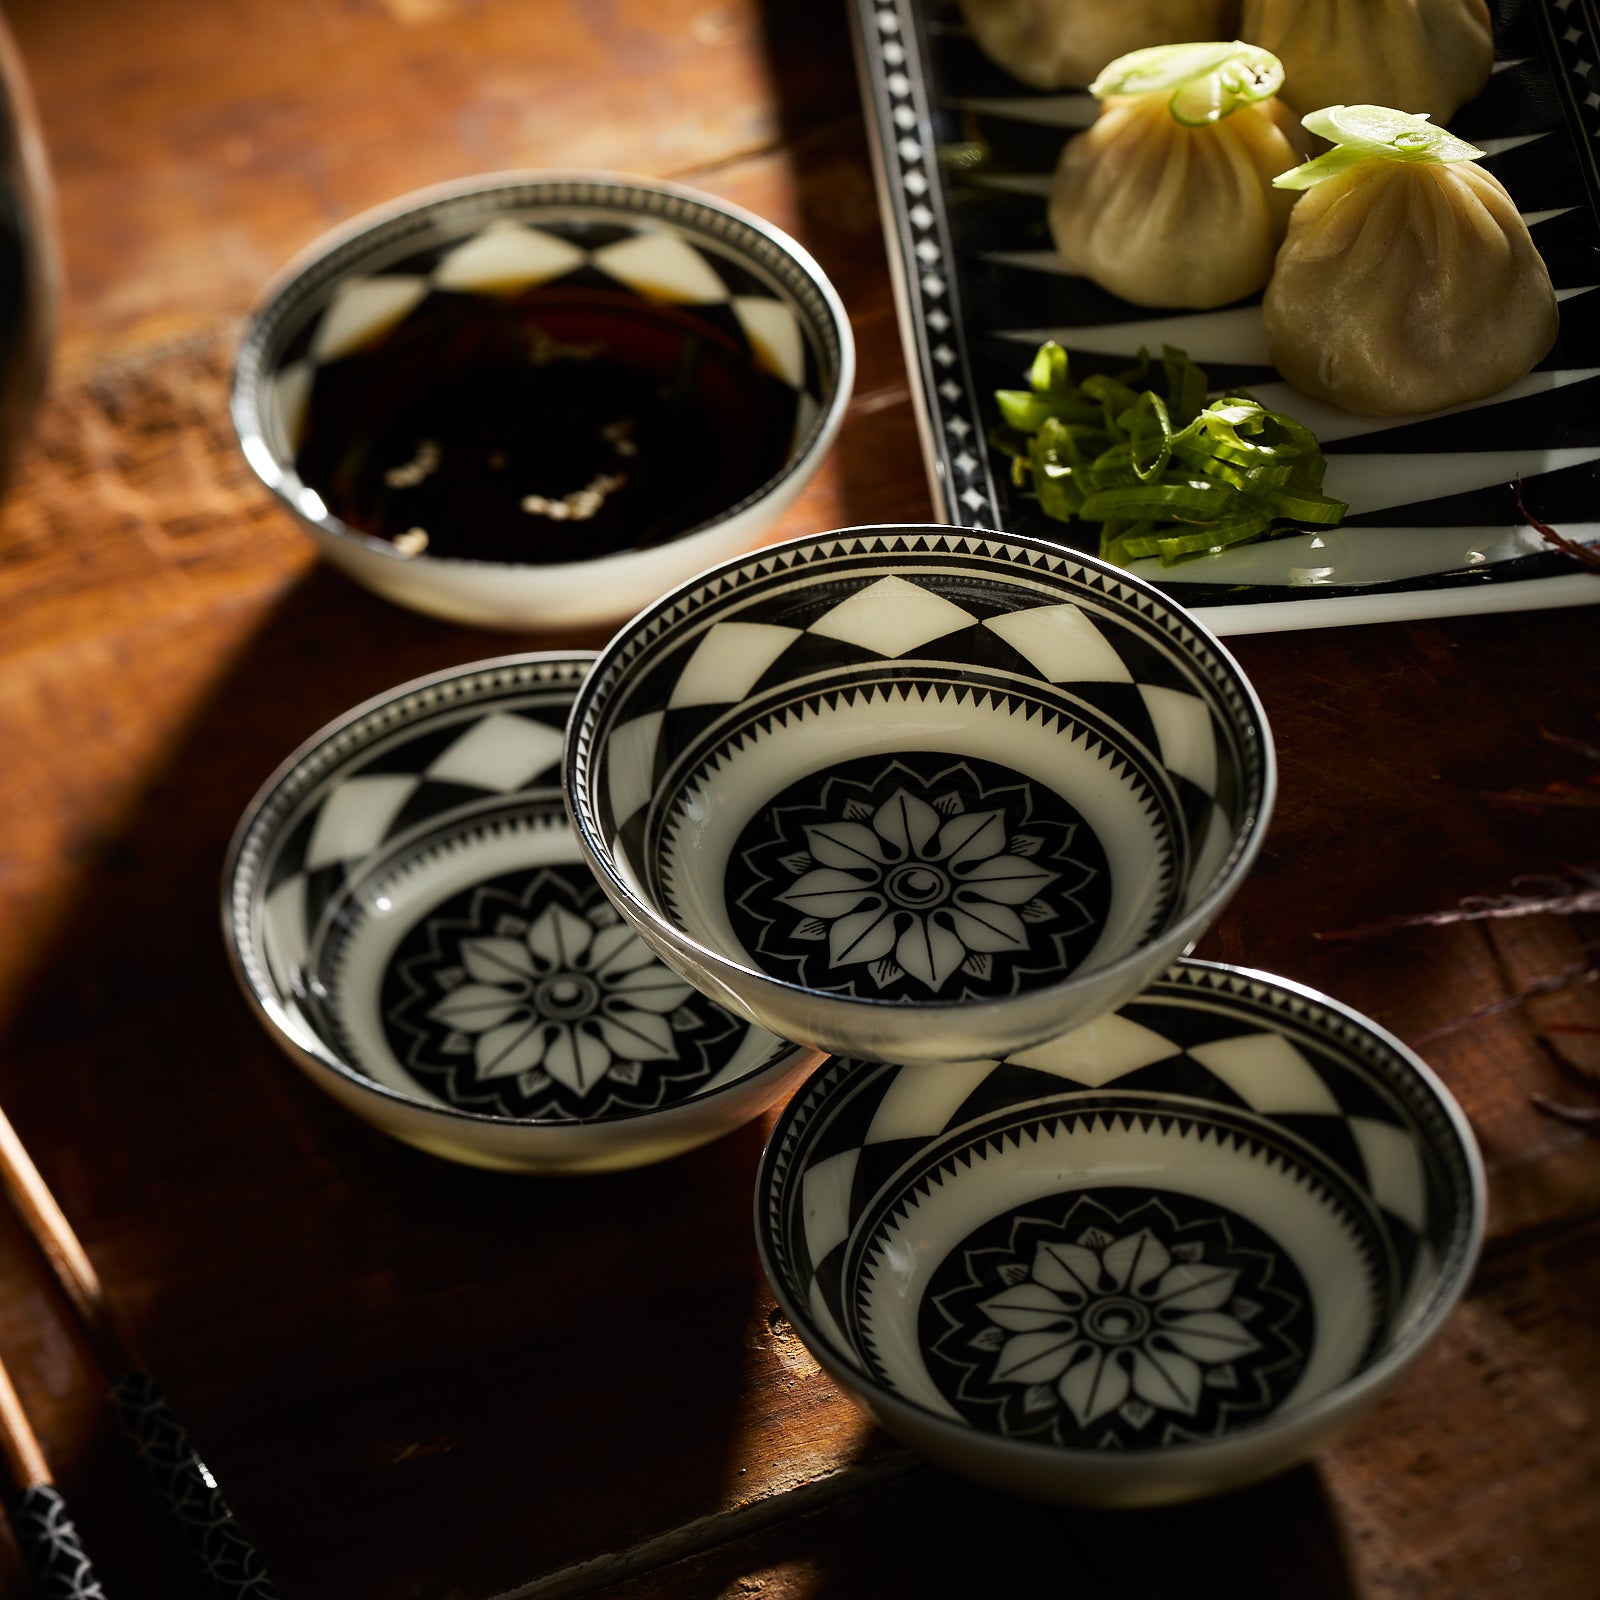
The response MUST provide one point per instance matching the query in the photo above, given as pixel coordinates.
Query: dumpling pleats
(1166, 215)
(1407, 287)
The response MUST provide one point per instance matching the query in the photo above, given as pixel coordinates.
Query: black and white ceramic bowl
(1169, 1253)
(408, 912)
(731, 284)
(918, 793)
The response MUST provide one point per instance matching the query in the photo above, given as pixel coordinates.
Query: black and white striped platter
(965, 154)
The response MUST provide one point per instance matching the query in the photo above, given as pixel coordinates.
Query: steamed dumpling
(1407, 285)
(1423, 56)
(1164, 213)
(1051, 43)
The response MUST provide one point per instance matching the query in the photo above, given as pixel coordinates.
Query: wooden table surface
(414, 1379)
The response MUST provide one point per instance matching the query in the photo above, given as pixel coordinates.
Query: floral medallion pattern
(1133, 1319)
(528, 996)
(919, 877)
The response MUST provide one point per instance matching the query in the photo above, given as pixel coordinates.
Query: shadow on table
(930, 1534)
(410, 1377)
(1279, 1538)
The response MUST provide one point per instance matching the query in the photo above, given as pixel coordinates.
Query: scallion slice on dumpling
(1428, 56)
(1408, 281)
(1166, 199)
(1053, 44)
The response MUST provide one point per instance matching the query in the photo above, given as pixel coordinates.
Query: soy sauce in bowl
(557, 424)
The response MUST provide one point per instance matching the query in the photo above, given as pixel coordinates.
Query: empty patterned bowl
(409, 914)
(918, 793)
(542, 398)
(1169, 1253)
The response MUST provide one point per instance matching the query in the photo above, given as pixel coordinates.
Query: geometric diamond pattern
(729, 659)
(360, 310)
(1099, 1052)
(752, 637)
(507, 254)
(499, 751)
(1064, 644)
(1268, 1074)
(355, 816)
(630, 769)
(1395, 1168)
(664, 266)
(1201, 1034)
(774, 337)
(1183, 729)
(826, 1202)
(502, 736)
(918, 1106)
(645, 256)
(286, 930)
(891, 617)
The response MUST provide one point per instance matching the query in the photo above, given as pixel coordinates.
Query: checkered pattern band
(1231, 1050)
(378, 780)
(878, 611)
(648, 243)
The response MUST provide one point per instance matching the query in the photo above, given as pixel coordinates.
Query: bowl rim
(1187, 928)
(1455, 1275)
(240, 881)
(339, 248)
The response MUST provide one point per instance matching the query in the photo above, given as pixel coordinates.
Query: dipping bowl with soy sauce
(542, 399)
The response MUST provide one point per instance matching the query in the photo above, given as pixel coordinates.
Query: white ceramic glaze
(516, 229)
(1175, 1250)
(918, 794)
(409, 913)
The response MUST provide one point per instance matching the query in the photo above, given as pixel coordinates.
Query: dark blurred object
(29, 270)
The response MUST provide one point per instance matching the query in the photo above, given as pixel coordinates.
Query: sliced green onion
(1115, 396)
(1150, 436)
(1408, 134)
(1203, 82)
(1048, 374)
(1186, 387)
(1319, 508)
(1367, 133)
(1026, 411)
(1192, 500)
(1168, 476)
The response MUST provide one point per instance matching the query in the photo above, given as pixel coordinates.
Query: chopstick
(181, 1478)
(61, 1568)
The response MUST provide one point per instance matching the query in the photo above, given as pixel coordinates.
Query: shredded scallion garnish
(1203, 82)
(1169, 475)
(1361, 133)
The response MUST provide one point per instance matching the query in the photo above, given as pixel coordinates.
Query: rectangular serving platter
(963, 156)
